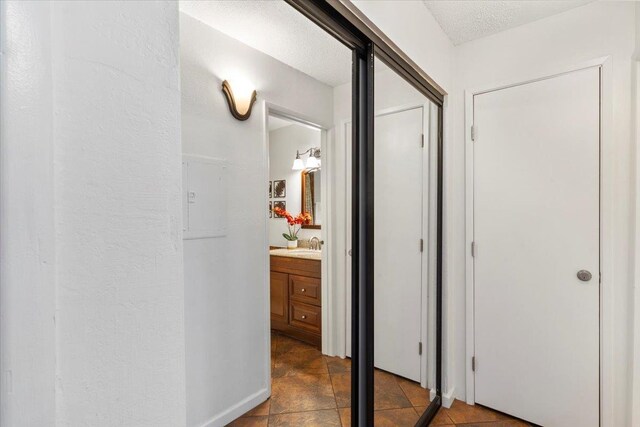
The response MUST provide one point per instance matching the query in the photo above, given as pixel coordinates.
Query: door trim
(606, 226)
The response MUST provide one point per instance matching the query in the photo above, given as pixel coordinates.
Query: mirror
(310, 182)
(405, 132)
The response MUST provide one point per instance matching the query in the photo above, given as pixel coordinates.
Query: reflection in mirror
(294, 174)
(263, 343)
(405, 241)
(311, 184)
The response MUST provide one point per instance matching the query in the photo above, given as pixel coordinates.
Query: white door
(536, 225)
(397, 232)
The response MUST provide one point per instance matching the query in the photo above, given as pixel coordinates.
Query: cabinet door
(279, 297)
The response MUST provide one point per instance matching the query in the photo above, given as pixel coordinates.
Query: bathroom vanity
(296, 294)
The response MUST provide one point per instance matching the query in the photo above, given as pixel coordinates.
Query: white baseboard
(447, 398)
(238, 409)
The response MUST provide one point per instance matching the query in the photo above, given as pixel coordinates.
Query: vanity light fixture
(313, 161)
(240, 99)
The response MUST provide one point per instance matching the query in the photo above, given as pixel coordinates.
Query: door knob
(584, 275)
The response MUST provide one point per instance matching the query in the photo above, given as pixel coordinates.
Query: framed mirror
(311, 196)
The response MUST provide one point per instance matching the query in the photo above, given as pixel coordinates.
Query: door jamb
(606, 226)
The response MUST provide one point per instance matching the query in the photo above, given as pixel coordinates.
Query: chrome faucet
(315, 244)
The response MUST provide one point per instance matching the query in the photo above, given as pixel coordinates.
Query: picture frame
(279, 204)
(270, 189)
(270, 209)
(280, 189)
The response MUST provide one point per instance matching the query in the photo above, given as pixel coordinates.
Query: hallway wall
(92, 296)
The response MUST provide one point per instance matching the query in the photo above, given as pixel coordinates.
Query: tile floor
(309, 389)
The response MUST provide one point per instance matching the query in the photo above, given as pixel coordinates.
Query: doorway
(298, 187)
(535, 249)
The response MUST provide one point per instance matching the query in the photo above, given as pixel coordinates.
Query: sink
(297, 253)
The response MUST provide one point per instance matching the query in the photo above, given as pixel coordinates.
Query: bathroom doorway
(298, 191)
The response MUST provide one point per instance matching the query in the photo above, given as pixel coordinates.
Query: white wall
(635, 388)
(226, 279)
(582, 34)
(27, 246)
(92, 295)
(283, 143)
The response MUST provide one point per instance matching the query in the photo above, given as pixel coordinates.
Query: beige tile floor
(309, 389)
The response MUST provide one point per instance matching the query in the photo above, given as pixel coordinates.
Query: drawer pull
(304, 316)
(303, 290)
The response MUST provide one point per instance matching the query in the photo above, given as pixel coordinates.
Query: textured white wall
(562, 40)
(94, 227)
(635, 402)
(283, 144)
(226, 279)
(118, 214)
(27, 247)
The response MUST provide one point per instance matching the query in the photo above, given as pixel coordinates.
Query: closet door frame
(607, 188)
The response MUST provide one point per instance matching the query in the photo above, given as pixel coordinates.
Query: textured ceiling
(466, 20)
(275, 28)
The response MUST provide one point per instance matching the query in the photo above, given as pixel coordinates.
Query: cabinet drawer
(305, 316)
(304, 289)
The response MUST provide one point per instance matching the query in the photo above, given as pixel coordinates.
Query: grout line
(333, 390)
(272, 365)
(405, 394)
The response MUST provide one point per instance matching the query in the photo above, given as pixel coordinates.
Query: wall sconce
(313, 162)
(240, 99)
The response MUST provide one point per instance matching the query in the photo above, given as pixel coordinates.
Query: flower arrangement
(294, 223)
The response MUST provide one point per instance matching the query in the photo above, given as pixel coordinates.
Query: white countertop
(297, 253)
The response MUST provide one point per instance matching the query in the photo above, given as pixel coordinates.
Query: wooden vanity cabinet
(296, 308)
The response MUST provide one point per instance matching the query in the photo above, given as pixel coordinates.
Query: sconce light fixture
(240, 99)
(313, 161)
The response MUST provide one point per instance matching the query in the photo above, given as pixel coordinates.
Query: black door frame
(348, 25)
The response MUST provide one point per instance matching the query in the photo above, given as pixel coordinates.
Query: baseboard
(238, 409)
(447, 398)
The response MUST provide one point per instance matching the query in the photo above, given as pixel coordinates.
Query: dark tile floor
(309, 389)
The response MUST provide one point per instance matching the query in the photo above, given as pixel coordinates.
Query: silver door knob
(584, 275)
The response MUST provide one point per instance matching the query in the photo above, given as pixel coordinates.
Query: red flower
(301, 218)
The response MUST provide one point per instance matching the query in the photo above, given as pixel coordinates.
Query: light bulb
(298, 165)
(312, 162)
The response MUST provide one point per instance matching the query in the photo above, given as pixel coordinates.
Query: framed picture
(270, 187)
(280, 189)
(270, 208)
(279, 204)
